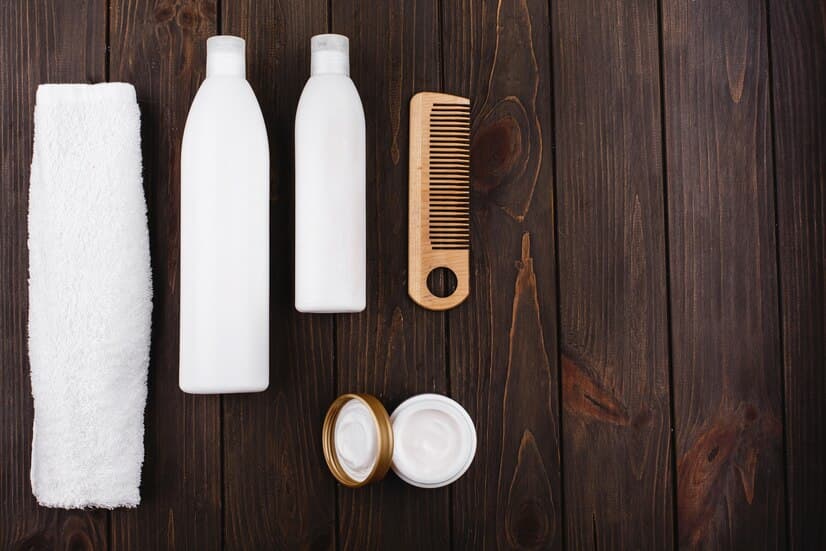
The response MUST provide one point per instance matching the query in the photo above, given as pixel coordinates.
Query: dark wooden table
(644, 346)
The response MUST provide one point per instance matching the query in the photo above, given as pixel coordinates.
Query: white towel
(90, 296)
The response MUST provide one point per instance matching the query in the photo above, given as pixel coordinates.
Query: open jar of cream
(429, 441)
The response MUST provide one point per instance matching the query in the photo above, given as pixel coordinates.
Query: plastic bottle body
(224, 281)
(330, 197)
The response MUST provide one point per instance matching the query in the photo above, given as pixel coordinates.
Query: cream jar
(429, 441)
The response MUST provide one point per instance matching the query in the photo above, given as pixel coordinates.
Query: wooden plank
(612, 276)
(394, 349)
(503, 339)
(725, 333)
(161, 48)
(798, 53)
(277, 490)
(40, 41)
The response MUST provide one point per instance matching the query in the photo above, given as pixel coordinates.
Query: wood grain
(40, 41)
(798, 48)
(394, 349)
(277, 491)
(612, 276)
(161, 48)
(724, 314)
(503, 339)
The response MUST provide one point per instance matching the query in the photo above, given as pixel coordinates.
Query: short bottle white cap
(225, 56)
(329, 55)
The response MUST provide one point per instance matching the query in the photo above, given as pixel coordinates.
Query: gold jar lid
(384, 436)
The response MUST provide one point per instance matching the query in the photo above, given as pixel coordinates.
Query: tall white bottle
(225, 202)
(330, 203)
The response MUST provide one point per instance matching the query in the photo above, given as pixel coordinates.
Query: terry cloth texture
(90, 296)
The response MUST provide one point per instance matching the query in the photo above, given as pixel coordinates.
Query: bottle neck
(226, 57)
(328, 62)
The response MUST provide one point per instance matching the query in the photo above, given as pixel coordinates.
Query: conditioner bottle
(225, 198)
(330, 211)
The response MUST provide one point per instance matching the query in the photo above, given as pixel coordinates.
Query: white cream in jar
(435, 440)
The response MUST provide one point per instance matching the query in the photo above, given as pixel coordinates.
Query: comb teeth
(449, 176)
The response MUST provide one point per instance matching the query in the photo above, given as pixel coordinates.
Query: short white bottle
(225, 194)
(330, 196)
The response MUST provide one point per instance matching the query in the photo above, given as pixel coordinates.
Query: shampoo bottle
(225, 194)
(330, 204)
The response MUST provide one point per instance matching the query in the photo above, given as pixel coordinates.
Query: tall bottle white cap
(330, 55)
(225, 56)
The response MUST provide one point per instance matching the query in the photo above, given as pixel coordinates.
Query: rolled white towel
(90, 296)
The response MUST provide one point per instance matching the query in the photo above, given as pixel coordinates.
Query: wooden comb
(439, 204)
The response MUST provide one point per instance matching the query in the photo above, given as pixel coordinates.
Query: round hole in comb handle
(442, 282)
